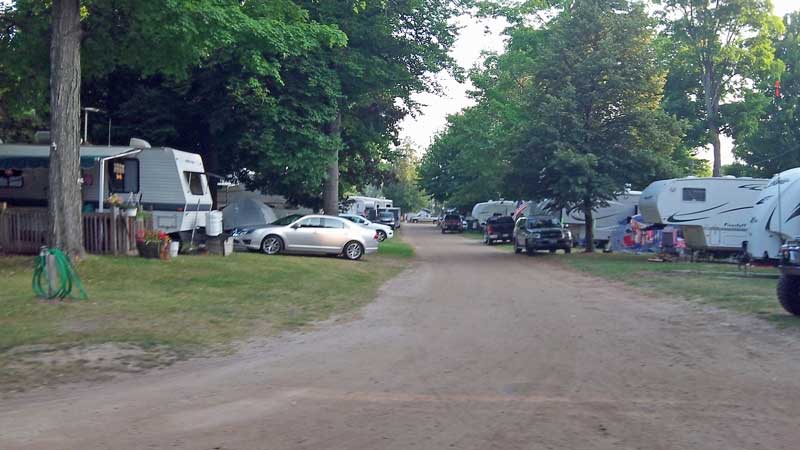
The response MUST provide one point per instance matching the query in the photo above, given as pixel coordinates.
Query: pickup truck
(422, 216)
(452, 222)
(541, 233)
(789, 282)
(498, 228)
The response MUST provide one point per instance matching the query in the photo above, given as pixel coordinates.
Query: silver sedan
(315, 234)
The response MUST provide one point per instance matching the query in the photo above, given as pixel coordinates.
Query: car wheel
(443, 230)
(353, 250)
(789, 293)
(530, 251)
(272, 245)
(414, 221)
(568, 250)
(381, 235)
(552, 250)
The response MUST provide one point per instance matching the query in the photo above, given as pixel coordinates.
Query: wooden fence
(25, 231)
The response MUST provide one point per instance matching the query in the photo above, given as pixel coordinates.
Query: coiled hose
(68, 279)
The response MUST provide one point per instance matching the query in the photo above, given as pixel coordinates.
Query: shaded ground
(472, 348)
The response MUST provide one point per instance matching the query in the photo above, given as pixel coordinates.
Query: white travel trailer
(365, 206)
(713, 213)
(168, 183)
(775, 216)
(607, 219)
(483, 211)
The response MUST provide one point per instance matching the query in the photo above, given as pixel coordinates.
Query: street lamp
(86, 112)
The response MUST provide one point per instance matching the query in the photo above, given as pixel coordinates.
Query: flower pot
(151, 250)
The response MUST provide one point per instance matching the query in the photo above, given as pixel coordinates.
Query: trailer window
(694, 195)
(11, 178)
(195, 182)
(123, 175)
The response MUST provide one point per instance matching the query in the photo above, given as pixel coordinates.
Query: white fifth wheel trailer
(170, 184)
(776, 216)
(713, 213)
(606, 219)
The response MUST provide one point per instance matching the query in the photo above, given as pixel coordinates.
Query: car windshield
(283, 221)
(544, 222)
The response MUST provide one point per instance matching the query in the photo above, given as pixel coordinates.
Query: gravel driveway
(471, 348)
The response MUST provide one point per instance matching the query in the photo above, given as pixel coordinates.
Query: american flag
(521, 206)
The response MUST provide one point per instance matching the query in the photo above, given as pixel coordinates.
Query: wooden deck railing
(25, 230)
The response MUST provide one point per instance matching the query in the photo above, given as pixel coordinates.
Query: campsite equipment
(247, 213)
(174, 248)
(214, 223)
(713, 213)
(54, 276)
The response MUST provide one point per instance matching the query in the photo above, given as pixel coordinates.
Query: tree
(766, 124)
(718, 47)
(594, 106)
(64, 205)
(403, 188)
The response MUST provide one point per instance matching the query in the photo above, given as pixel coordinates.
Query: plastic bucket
(214, 223)
(174, 247)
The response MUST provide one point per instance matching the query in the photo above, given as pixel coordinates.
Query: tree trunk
(330, 195)
(715, 142)
(588, 214)
(64, 202)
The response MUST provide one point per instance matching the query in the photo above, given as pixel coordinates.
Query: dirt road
(473, 348)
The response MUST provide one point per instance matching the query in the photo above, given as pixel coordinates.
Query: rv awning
(32, 156)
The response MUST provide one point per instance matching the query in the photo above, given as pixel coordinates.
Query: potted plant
(114, 201)
(153, 244)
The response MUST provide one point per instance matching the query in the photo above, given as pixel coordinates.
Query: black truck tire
(789, 293)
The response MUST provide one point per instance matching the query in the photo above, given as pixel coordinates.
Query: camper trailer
(713, 213)
(365, 206)
(606, 219)
(775, 217)
(168, 183)
(483, 211)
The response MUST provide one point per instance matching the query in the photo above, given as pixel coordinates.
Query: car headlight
(536, 235)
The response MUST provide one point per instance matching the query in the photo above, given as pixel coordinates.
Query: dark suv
(452, 222)
(541, 233)
(387, 218)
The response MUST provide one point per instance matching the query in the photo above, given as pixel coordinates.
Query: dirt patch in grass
(143, 313)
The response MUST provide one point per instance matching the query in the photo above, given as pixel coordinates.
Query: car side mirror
(295, 226)
(566, 225)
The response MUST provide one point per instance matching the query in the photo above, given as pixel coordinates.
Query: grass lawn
(158, 311)
(720, 285)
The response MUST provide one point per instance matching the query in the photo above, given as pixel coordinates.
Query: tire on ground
(789, 293)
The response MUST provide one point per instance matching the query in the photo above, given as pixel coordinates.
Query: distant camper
(483, 211)
(714, 213)
(169, 183)
(776, 216)
(365, 206)
(607, 219)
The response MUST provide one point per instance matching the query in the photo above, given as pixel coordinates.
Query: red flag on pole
(777, 88)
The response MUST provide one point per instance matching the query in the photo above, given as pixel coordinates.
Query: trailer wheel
(272, 245)
(789, 293)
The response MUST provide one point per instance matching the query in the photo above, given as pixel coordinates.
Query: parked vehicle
(789, 282)
(422, 216)
(498, 228)
(168, 183)
(384, 231)
(365, 206)
(541, 233)
(397, 215)
(775, 219)
(313, 234)
(483, 211)
(387, 218)
(607, 219)
(452, 222)
(713, 213)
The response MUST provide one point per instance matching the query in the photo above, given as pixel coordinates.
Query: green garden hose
(67, 277)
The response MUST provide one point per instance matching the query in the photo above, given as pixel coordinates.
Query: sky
(476, 37)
